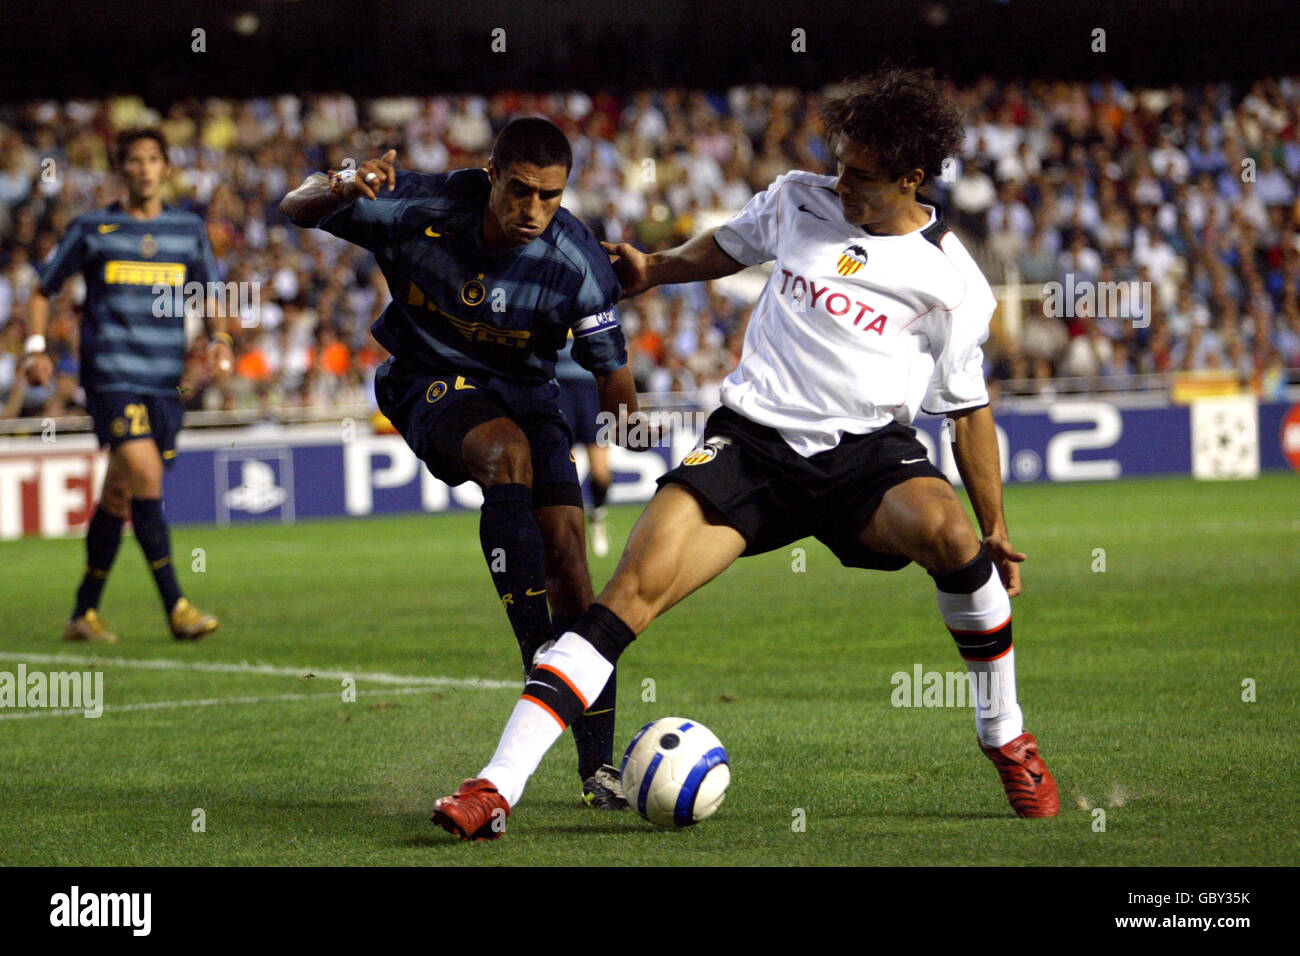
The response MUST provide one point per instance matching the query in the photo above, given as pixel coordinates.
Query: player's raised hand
(630, 265)
(1007, 560)
(39, 368)
(221, 361)
(374, 174)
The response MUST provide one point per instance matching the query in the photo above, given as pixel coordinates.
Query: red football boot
(1028, 782)
(471, 813)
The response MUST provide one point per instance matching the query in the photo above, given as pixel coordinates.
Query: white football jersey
(853, 330)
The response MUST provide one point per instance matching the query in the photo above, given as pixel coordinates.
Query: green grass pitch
(1132, 678)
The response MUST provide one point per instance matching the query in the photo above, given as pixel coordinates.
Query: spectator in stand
(1092, 179)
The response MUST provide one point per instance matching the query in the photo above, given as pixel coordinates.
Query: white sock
(587, 671)
(529, 733)
(532, 728)
(998, 719)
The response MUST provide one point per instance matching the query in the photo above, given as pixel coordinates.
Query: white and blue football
(675, 772)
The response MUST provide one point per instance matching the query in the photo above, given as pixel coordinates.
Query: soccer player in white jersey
(874, 312)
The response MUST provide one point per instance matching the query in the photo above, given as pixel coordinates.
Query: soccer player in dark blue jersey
(132, 255)
(489, 275)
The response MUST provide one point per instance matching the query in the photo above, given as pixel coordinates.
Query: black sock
(155, 542)
(599, 492)
(516, 556)
(102, 540)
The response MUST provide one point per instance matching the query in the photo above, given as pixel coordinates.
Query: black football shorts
(775, 496)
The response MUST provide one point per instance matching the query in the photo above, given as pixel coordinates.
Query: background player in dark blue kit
(131, 364)
(580, 403)
(489, 275)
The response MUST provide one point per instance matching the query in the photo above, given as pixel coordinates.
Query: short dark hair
(902, 115)
(532, 139)
(128, 139)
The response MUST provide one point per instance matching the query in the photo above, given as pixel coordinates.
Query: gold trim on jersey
(125, 272)
(472, 331)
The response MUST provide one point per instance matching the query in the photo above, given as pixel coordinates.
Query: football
(675, 772)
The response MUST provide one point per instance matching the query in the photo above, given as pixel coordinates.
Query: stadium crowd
(1192, 192)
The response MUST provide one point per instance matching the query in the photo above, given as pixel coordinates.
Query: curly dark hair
(129, 138)
(901, 114)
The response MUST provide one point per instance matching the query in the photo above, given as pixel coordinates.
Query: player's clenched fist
(630, 265)
(39, 368)
(371, 177)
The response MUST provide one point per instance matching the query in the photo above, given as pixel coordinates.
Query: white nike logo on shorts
(913, 461)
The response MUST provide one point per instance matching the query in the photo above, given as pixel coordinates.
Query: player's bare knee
(116, 499)
(145, 482)
(505, 461)
(952, 543)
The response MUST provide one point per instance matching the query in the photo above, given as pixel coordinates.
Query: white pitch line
(202, 702)
(269, 670)
(1272, 524)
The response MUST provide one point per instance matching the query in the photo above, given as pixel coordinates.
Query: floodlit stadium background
(1156, 154)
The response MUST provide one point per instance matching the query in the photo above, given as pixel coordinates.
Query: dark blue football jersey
(503, 312)
(125, 343)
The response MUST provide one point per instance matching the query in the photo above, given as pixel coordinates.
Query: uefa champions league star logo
(258, 490)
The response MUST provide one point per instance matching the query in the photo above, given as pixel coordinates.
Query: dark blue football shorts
(121, 416)
(435, 407)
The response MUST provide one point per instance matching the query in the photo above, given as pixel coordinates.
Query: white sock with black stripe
(977, 611)
(565, 678)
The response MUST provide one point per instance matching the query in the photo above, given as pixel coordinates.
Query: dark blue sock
(593, 732)
(155, 541)
(599, 492)
(516, 557)
(102, 540)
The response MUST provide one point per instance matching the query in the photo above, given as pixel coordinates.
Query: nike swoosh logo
(108, 227)
(531, 593)
(811, 213)
(913, 461)
(541, 683)
(431, 234)
(461, 384)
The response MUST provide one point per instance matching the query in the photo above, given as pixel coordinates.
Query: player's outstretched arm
(317, 197)
(975, 449)
(694, 261)
(631, 427)
(38, 366)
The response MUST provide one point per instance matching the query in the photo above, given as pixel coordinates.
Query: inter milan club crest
(148, 246)
(851, 260)
(472, 292)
